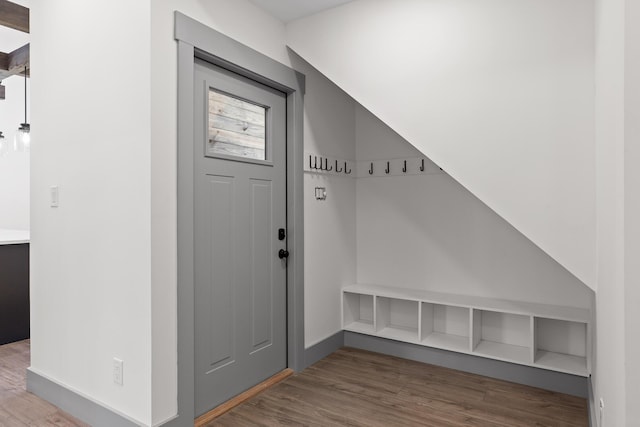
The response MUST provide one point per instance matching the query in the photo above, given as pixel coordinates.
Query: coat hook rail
(392, 167)
(400, 166)
(326, 165)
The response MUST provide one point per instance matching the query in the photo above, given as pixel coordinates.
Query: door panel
(261, 265)
(240, 202)
(220, 300)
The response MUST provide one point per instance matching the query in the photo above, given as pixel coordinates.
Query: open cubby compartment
(561, 345)
(502, 336)
(445, 326)
(357, 312)
(397, 318)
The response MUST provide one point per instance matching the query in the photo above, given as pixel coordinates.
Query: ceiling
(289, 10)
(11, 39)
(284, 10)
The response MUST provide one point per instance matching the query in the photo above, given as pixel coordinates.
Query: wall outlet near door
(118, 371)
(321, 193)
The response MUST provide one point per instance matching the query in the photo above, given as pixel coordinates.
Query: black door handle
(283, 253)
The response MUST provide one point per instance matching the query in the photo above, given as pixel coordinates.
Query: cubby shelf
(397, 319)
(357, 312)
(544, 336)
(445, 326)
(560, 344)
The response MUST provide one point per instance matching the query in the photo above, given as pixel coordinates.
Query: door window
(236, 127)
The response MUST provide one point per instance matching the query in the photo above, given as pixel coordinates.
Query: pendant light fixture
(22, 140)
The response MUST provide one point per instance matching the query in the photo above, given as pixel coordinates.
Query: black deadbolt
(281, 234)
(283, 253)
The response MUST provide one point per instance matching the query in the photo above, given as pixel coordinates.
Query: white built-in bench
(544, 336)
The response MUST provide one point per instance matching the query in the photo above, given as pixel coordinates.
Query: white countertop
(13, 237)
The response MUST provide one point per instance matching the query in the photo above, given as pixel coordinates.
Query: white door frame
(196, 40)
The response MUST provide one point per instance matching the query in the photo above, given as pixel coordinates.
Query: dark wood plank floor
(349, 388)
(17, 407)
(358, 388)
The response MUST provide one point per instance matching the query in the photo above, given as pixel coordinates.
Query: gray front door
(240, 205)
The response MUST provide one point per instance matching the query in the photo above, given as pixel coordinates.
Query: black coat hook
(422, 167)
(387, 170)
(310, 165)
(321, 168)
(338, 170)
(404, 168)
(371, 169)
(345, 169)
(315, 163)
(326, 165)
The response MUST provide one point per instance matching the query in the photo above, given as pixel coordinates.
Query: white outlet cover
(118, 371)
(55, 196)
(321, 193)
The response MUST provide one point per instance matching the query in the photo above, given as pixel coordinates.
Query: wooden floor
(349, 388)
(358, 388)
(17, 407)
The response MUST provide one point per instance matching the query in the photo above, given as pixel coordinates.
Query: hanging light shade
(22, 140)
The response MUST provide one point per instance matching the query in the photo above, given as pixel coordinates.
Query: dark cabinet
(14, 292)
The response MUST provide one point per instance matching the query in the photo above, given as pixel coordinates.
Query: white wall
(609, 369)
(616, 373)
(498, 93)
(14, 166)
(330, 225)
(90, 257)
(632, 209)
(104, 262)
(429, 232)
